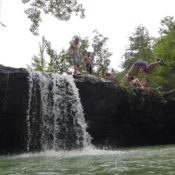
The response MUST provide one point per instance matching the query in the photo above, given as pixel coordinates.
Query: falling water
(55, 115)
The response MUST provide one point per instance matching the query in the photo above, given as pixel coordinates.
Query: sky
(115, 19)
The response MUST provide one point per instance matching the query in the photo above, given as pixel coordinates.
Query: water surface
(158, 160)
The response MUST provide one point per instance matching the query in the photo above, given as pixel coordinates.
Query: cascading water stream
(55, 115)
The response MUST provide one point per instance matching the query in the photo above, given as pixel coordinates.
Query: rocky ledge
(126, 117)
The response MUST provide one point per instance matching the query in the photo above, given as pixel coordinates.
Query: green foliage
(64, 63)
(61, 9)
(140, 48)
(130, 90)
(165, 48)
(57, 63)
(119, 75)
(39, 62)
(84, 45)
(100, 53)
(167, 25)
(144, 47)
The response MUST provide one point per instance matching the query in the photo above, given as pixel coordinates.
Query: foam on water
(133, 161)
(87, 151)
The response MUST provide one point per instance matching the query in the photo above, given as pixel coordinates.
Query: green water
(158, 160)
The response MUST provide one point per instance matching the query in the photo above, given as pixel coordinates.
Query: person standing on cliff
(75, 51)
(88, 63)
(142, 66)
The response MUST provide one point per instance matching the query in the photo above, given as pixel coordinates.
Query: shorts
(141, 63)
(89, 68)
(108, 74)
(76, 59)
(133, 84)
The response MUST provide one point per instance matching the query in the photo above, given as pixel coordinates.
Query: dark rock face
(13, 105)
(115, 116)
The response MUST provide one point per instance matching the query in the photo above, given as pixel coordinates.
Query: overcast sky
(115, 19)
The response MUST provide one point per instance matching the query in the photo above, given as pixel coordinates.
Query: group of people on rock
(74, 50)
(76, 56)
(130, 78)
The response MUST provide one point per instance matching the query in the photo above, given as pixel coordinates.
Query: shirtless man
(88, 63)
(142, 66)
(75, 51)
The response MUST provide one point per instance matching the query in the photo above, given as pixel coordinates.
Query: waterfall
(55, 117)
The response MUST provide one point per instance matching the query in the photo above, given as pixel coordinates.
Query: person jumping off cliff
(142, 66)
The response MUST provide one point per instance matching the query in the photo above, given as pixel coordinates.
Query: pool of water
(158, 160)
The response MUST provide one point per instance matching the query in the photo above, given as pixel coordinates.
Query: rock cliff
(14, 88)
(126, 117)
(115, 116)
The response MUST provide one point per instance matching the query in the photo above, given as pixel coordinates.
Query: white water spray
(55, 117)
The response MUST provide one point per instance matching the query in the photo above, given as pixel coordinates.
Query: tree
(61, 9)
(167, 25)
(165, 48)
(63, 62)
(100, 53)
(39, 62)
(57, 63)
(140, 47)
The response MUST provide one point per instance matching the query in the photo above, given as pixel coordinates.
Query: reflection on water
(159, 160)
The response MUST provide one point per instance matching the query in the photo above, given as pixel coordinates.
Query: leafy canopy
(140, 47)
(165, 48)
(61, 9)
